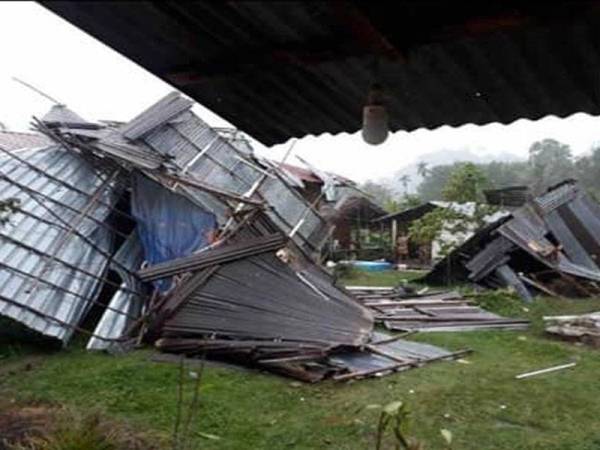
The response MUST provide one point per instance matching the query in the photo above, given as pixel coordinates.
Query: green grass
(480, 401)
(384, 278)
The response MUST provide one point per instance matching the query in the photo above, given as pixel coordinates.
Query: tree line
(549, 162)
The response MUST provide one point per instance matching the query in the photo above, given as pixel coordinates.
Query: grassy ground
(478, 399)
(386, 278)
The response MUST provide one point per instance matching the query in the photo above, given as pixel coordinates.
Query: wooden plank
(408, 304)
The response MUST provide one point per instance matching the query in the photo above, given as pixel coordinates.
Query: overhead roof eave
(278, 70)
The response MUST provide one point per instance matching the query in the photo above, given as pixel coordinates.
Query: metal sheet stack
(399, 310)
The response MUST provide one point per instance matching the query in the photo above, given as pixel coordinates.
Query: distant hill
(437, 158)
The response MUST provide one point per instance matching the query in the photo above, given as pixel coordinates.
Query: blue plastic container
(372, 266)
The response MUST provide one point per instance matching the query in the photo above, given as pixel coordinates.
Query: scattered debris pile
(161, 230)
(583, 328)
(399, 309)
(390, 354)
(550, 245)
(385, 354)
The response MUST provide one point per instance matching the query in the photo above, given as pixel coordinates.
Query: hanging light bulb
(375, 117)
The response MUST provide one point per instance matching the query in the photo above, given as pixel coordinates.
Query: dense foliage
(549, 162)
(465, 184)
(451, 226)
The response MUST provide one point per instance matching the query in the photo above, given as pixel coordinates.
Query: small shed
(398, 223)
(508, 197)
(423, 255)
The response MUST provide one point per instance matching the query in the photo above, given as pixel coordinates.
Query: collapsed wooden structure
(160, 230)
(550, 245)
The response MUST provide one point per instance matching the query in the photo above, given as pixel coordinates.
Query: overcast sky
(98, 83)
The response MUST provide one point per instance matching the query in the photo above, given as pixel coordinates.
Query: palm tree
(422, 169)
(404, 180)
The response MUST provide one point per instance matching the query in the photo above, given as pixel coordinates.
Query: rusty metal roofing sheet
(212, 257)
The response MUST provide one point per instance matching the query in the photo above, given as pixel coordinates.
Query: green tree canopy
(550, 162)
(465, 184)
(587, 169)
(409, 201)
(434, 180)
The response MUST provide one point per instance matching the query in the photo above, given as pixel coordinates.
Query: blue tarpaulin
(169, 225)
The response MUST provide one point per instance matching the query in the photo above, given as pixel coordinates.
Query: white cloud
(98, 83)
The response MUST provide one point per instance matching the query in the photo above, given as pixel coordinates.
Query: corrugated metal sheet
(237, 139)
(572, 247)
(403, 310)
(529, 231)
(60, 115)
(399, 349)
(65, 257)
(555, 197)
(559, 230)
(197, 149)
(64, 183)
(125, 306)
(280, 70)
(12, 140)
(167, 108)
(492, 256)
(261, 297)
